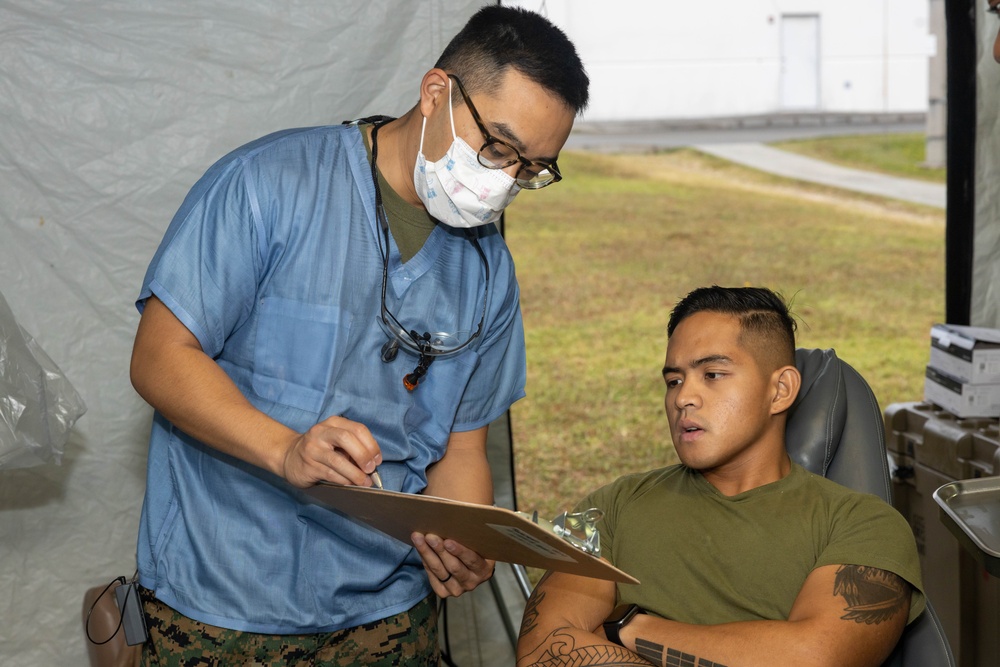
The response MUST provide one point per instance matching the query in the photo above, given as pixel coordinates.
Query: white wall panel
(666, 59)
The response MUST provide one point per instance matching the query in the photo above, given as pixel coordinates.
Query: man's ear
(434, 91)
(786, 383)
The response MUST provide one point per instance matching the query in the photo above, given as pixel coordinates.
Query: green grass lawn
(603, 256)
(894, 154)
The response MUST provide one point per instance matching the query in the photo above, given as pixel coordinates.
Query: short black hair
(763, 315)
(497, 38)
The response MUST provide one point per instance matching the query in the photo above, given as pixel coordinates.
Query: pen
(376, 479)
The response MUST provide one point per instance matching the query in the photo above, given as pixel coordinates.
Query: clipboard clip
(577, 528)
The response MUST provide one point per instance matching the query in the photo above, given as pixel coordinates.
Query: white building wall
(667, 59)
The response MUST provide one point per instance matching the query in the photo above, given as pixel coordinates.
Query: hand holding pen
(336, 450)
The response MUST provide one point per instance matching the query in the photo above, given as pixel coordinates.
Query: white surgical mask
(457, 189)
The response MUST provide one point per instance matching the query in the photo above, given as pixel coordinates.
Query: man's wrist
(618, 619)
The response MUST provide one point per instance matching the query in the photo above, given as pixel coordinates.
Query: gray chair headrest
(816, 419)
(835, 427)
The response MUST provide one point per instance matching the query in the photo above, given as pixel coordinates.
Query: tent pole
(961, 159)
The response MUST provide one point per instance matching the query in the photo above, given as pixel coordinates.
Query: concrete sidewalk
(790, 165)
(743, 141)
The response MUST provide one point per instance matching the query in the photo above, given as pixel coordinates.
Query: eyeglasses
(994, 9)
(427, 346)
(498, 154)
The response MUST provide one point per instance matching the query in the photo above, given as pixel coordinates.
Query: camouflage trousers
(409, 638)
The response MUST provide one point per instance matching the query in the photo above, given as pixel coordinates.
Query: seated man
(745, 558)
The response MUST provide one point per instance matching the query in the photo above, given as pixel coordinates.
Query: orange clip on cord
(411, 380)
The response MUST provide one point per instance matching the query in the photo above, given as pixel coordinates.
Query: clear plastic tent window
(38, 404)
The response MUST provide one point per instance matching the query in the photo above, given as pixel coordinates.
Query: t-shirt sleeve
(868, 531)
(610, 499)
(205, 269)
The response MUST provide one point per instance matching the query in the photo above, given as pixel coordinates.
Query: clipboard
(493, 532)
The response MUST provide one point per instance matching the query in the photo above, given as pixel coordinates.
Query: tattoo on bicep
(529, 621)
(873, 595)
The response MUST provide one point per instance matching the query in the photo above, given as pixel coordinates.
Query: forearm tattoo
(559, 647)
(562, 651)
(658, 654)
(873, 595)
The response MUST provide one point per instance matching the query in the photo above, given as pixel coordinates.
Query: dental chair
(835, 429)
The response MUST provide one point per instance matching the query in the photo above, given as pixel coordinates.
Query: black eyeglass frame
(525, 183)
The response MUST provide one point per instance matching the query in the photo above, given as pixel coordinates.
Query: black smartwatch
(618, 619)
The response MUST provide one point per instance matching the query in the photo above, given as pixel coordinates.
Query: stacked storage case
(930, 447)
(963, 375)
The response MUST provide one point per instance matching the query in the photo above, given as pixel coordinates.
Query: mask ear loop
(451, 115)
(423, 127)
(451, 112)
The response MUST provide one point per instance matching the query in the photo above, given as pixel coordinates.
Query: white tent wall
(110, 111)
(985, 306)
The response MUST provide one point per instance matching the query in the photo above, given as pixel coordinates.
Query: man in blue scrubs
(327, 301)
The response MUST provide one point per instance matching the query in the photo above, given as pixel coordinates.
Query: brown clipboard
(493, 532)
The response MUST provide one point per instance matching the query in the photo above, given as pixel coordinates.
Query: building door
(800, 61)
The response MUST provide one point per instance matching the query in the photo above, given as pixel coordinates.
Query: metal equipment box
(931, 447)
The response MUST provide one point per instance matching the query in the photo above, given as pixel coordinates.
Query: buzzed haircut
(765, 321)
(497, 38)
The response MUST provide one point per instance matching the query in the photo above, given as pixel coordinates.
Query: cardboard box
(962, 399)
(969, 354)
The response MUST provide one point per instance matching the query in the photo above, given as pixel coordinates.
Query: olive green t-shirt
(409, 225)
(706, 558)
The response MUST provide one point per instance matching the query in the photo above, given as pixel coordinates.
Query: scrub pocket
(296, 353)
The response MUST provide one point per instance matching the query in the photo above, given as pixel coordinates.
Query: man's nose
(687, 395)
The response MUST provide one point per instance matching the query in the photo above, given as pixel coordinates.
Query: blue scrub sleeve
(205, 270)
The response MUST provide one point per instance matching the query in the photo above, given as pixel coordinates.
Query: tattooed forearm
(670, 657)
(562, 651)
(873, 595)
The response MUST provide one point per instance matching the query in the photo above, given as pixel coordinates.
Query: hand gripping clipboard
(493, 532)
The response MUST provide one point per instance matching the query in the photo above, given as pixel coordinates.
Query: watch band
(618, 619)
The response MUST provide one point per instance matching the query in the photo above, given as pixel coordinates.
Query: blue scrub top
(273, 263)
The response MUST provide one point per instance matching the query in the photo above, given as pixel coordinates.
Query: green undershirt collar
(409, 225)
